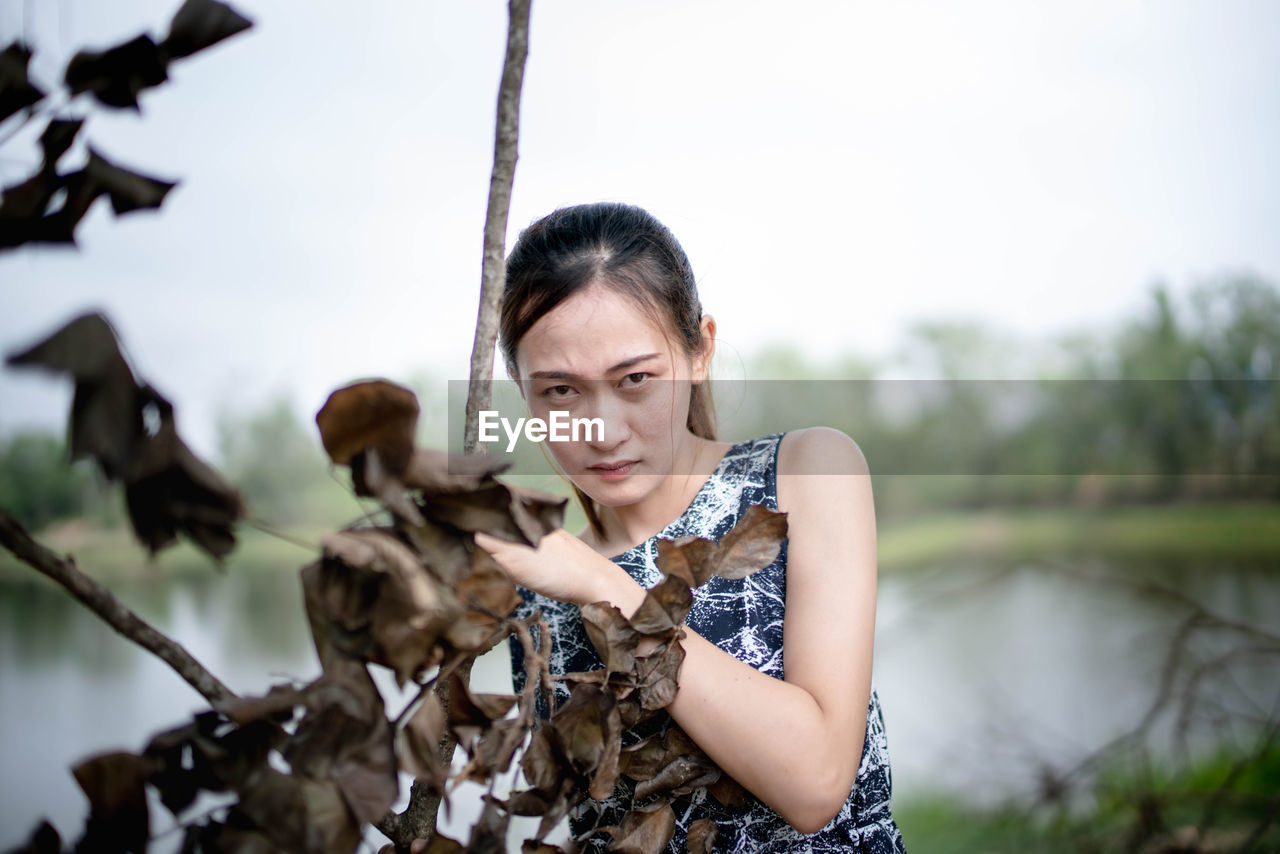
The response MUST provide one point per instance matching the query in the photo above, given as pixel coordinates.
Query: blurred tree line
(1179, 402)
(272, 454)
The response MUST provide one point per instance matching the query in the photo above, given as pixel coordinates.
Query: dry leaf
(612, 635)
(118, 815)
(701, 838)
(645, 830)
(372, 414)
(751, 545)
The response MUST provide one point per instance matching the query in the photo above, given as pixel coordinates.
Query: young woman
(601, 318)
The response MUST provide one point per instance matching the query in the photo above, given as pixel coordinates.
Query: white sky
(834, 170)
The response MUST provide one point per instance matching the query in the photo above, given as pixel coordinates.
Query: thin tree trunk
(418, 821)
(493, 273)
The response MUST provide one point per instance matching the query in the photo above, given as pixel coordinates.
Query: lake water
(982, 672)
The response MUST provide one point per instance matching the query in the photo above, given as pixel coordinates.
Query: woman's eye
(635, 379)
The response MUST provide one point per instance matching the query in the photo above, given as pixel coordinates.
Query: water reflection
(989, 674)
(983, 672)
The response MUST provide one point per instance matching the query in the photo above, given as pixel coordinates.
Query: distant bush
(36, 484)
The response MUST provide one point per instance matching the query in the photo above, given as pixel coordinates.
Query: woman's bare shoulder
(820, 450)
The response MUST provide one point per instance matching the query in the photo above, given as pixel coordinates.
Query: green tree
(36, 484)
(279, 467)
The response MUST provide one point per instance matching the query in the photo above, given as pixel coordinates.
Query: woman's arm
(795, 744)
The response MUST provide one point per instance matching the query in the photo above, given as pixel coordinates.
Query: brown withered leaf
(22, 217)
(114, 783)
(381, 602)
(470, 715)
(702, 837)
(664, 608)
(199, 24)
(370, 477)
(644, 759)
(444, 550)
(629, 709)
(438, 473)
(512, 513)
(354, 750)
(170, 490)
(29, 213)
(543, 761)
(489, 833)
(535, 512)
(441, 844)
(223, 839)
(369, 426)
(487, 595)
(658, 673)
(370, 414)
(580, 722)
(670, 764)
(569, 796)
(688, 558)
(645, 830)
(55, 139)
(529, 802)
(130, 431)
(173, 491)
(300, 814)
(498, 747)
(533, 846)
(680, 776)
(129, 191)
(677, 741)
(115, 76)
(279, 700)
(727, 791)
(420, 742)
(43, 840)
(208, 754)
(606, 775)
(751, 545)
(16, 89)
(612, 635)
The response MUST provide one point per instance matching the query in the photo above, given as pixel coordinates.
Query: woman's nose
(612, 415)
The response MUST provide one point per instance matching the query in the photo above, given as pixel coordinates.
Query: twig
(267, 528)
(102, 602)
(493, 271)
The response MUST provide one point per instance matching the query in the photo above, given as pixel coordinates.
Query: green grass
(113, 554)
(1127, 809)
(1244, 531)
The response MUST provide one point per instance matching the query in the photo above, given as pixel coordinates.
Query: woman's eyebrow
(565, 375)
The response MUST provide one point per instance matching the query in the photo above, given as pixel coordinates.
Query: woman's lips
(613, 471)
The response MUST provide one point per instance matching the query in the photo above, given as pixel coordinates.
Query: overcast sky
(834, 170)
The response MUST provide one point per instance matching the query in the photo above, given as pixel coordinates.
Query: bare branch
(102, 602)
(493, 276)
(418, 821)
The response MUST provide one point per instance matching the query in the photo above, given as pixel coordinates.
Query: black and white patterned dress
(743, 617)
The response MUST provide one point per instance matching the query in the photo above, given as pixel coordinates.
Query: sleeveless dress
(743, 617)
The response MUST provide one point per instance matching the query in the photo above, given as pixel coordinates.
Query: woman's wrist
(615, 586)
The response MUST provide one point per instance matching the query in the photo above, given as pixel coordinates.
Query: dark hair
(622, 247)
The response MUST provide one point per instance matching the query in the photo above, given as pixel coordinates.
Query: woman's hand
(563, 568)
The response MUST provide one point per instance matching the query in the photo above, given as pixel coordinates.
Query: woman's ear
(702, 362)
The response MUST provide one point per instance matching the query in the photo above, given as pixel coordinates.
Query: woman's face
(598, 355)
